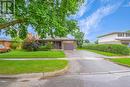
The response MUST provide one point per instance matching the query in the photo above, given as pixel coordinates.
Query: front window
(127, 34)
(2, 46)
(123, 34)
(120, 34)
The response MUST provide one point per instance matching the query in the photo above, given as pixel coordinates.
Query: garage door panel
(68, 46)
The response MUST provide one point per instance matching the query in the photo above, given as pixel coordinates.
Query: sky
(98, 17)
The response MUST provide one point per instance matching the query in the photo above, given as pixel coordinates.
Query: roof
(112, 33)
(4, 39)
(57, 39)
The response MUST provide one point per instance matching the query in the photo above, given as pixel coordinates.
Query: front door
(57, 45)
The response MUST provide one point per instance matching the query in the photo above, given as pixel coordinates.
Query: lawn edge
(96, 51)
(125, 65)
(37, 75)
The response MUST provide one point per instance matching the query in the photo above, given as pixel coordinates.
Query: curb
(36, 75)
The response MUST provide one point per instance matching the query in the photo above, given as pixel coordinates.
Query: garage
(68, 46)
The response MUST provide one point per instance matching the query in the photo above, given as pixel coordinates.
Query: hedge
(112, 48)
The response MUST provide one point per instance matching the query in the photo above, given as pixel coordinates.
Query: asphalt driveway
(88, 70)
(92, 63)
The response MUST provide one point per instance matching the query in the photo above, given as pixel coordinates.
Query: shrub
(112, 48)
(14, 45)
(49, 46)
(31, 46)
(46, 47)
(43, 48)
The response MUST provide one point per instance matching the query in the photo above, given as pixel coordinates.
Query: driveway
(83, 54)
(89, 62)
(88, 70)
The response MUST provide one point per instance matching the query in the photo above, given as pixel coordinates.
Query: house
(57, 42)
(115, 38)
(60, 43)
(5, 45)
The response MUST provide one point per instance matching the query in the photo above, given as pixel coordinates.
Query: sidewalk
(21, 59)
(119, 57)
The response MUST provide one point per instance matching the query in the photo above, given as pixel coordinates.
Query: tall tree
(47, 17)
(79, 36)
(86, 41)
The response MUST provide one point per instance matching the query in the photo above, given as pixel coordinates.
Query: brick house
(5, 45)
(61, 43)
(58, 43)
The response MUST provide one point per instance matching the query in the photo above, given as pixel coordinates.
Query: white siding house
(115, 38)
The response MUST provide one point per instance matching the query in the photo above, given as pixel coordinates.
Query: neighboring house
(61, 43)
(5, 44)
(115, 38)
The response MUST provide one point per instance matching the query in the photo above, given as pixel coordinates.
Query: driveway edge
(36, 75)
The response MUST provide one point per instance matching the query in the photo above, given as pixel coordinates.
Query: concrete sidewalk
(20, 59)
(119, 57)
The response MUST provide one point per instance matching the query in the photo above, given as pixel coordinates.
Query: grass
(104, 53)
(121, 61)
(33, 66)
(101, 52)
(36, 54)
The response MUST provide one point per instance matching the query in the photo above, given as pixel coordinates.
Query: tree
(79, 36)
(87, 41)
(128, 31)
(96, 42)
(47, 17)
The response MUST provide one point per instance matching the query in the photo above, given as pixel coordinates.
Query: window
(123, 34)
(120, 34)
(127, 34)
(2, 46)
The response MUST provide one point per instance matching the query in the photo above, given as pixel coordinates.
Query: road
(88, 70)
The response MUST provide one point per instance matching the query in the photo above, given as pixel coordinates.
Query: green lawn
(102, 53)
(36, 54)
(33, 66)
(122, 61)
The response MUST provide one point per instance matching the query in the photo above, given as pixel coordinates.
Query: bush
(49, 46)
(112, 48)
(46, 47)
(14, 45)
(31, 46)
(43, 48)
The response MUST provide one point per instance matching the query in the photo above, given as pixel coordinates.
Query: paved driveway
(83, 54)
(92, 63)
(88, 70)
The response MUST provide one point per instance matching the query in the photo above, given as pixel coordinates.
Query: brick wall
(7, 44)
